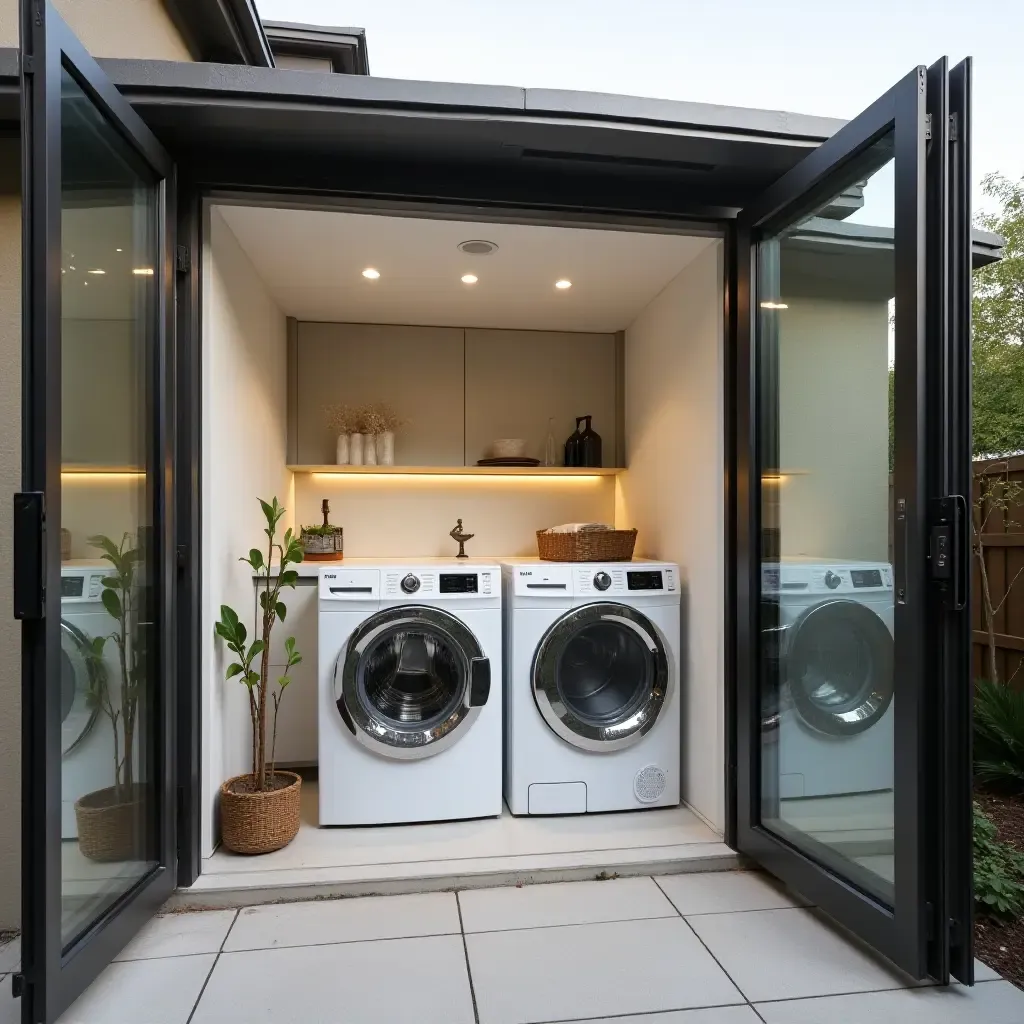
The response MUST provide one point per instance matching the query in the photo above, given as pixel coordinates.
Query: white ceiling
(312, 261)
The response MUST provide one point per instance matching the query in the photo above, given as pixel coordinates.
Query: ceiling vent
(477, 247)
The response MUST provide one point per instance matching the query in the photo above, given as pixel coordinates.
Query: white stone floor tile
(982, 972)
(143, 992)
(319, 922)
(723, 892)
(393, 980)
(10, 956)
(995, 1002)
(179, 934)
(717, 1015)
(579, 971)
(557, 903)
(791, 954)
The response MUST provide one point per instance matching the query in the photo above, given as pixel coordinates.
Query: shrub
(998, 734)
(998, 871)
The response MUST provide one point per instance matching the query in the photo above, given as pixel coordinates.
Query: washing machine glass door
(600, 676)
(411, 681)
(839, 667)
(78, 672)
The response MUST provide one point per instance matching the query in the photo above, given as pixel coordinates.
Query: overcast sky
(810, 56)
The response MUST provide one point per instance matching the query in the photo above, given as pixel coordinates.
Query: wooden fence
(1003, 546)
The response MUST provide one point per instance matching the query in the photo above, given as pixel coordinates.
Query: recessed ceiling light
(371, 274)
(96, 271)
(469, 279)
(143, 271)
(478, 247)
(71, 265)
(563, 284)
(774, 305)
(119, 250)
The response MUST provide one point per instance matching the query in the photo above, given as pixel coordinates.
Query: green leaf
(256, 648)
(289, 645)
(268, 510)
(234, 669)
(112, 603)
(283, 681)
(281, 610)
(289, 578)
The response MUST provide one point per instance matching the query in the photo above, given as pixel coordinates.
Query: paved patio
(703, 948)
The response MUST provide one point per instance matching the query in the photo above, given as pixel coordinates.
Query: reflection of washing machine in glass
(828, 628)
(87, 739)
(591, 686)
(410, 693)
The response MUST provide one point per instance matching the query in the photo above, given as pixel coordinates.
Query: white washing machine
(410, 711)
(86, 734)
(828, 626)
(591, 686)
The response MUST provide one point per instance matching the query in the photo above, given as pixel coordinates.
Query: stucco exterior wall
(107, 28)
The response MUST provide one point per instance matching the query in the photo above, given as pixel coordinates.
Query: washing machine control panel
(602, 581)
(81, 585)
(441, 584)
(410, 584)
(832, 579)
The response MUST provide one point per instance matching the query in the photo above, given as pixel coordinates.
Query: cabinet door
(297, 722)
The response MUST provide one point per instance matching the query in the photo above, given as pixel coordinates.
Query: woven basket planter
(107, 830)
(586, 546)
(259, 822)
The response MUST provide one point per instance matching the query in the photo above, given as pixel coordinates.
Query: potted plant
(108, 819)
(324, 543)
(259, 811)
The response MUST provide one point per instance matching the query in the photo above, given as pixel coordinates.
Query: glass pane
(109, 333)
(825, 351)
(604, 673)
(412, 678)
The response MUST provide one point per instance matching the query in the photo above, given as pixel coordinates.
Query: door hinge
(182, 558)
(28, 64)
(954, 128)
(947, 555)
(18, 985)
(927, 126)
(183, 259)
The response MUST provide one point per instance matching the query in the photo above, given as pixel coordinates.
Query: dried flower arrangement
(379, 419)
(342, 419)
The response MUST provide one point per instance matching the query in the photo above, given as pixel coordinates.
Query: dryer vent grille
(649, 784)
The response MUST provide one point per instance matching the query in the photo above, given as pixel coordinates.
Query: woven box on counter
(586, 546)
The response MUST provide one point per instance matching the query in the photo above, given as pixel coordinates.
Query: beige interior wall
(244, 457)
(10, 631)
(111, 28)
(672, 493)
(386, 516)
(834, 429)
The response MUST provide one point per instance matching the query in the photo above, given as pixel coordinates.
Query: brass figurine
(457, 534)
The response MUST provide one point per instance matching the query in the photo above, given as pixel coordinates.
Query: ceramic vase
(369, 449)
(341, 456)
(355, 450)
(386, 448)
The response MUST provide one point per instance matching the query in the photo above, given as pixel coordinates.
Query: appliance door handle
(479, 681)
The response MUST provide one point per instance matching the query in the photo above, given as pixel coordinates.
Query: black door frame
(52, 976)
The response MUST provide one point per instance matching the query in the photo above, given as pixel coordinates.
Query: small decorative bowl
(508, 448)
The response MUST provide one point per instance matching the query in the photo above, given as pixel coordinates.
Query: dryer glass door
(600, 676)
(411, 681)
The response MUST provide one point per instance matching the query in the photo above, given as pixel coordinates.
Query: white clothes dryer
(410, 711)
(828, 629)
(592, 704)
(86, 734)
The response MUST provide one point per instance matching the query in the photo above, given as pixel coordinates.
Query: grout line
(653, 1014)
(469, 970)
(705, 945)
(231, 926)
(216, 960)
(572, 924)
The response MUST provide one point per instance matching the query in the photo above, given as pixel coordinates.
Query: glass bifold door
(848, 640)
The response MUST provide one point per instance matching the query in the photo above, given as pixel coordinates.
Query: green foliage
(998, 336)
(322, 531)
(998, 871)
(271, 609)
(998, 734)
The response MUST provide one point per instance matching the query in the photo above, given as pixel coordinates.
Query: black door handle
(29, 554)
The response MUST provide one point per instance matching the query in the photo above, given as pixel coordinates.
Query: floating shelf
(533, 471)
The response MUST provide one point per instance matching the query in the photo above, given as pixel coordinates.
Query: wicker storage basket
(107, 830)
(586, 546)
(259, 822)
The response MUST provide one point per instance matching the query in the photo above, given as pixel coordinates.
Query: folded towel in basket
(578, 528)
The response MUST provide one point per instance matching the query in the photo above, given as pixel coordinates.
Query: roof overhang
(222, 30)
(343, 49)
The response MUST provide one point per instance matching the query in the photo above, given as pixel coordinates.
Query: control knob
(832, 580)
(410, 583)
(602, 581)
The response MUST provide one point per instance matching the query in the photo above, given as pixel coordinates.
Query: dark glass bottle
(589, 445)
(572, 446)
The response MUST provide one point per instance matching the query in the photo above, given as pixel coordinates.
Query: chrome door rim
(874, 702)
(371, 730)
(80, 718)
(561, 719)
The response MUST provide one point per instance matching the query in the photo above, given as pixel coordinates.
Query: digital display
(72, 586)
(644, 581)
(866, 577)
(458, 583)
